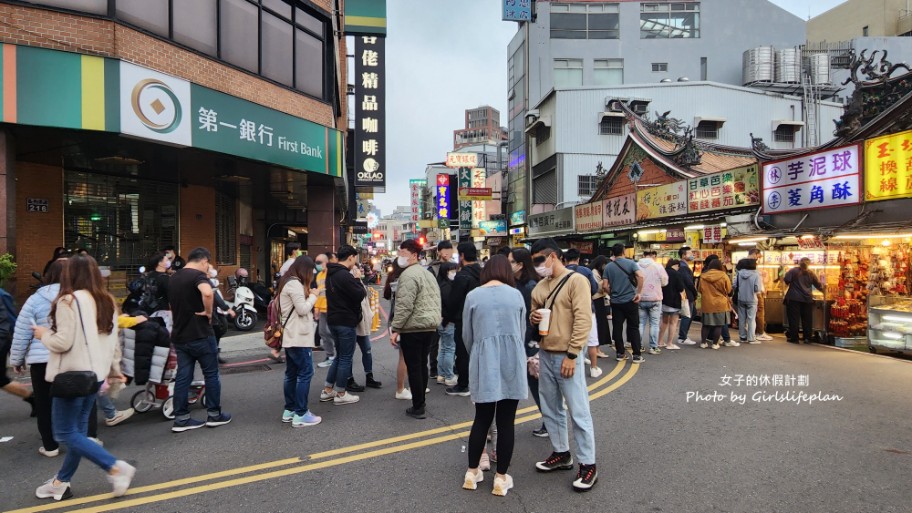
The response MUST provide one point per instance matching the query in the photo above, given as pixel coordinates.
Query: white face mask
(213, 273)
(402, 261)
(451, 275)
(167, 264)
(544, 272)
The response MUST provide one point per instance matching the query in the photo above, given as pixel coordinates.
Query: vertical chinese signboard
(729, 189)
(663, 201)
(465, 207)
(824, 179)
(517, 10)
(888, 167)
(370, 111)
(415, 194)
(478, 208)
(443, 200)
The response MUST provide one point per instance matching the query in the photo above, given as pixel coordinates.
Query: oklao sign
(370, 111)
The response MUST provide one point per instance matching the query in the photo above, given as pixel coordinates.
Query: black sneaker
(353, 386)
(371, 382)
(585, 478)
(416, 414)
(218, 420)
(621, 357)
(557, 461)
(458, 390)
(541, 432)
(637, 359)
(186, 425)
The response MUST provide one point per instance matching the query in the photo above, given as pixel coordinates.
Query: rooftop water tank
(758, 65)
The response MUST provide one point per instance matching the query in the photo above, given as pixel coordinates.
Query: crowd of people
(527, 321)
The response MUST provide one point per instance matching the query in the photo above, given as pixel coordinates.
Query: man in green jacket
(415, 320)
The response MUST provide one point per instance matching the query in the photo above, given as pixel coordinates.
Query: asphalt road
(658, 448)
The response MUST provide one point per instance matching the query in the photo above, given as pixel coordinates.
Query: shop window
(659, 67)
(239, 34)
(226, 232)
(279, 7)
(119, 221)
(277, 49)
(309, 64)
(611, 125)
(784, 133)
(152, 16)
(586, 185)
(665, 20)
(568, 72)
(608, 72)
(194, 27)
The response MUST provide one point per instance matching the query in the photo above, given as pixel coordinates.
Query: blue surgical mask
(319, 268)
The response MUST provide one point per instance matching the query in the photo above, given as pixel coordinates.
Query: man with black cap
(467, 279)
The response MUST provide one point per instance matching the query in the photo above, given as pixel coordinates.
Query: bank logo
(156, 105)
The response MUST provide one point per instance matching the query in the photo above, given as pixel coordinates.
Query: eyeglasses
(540, 259)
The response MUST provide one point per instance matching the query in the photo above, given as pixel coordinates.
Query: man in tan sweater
(562, 378)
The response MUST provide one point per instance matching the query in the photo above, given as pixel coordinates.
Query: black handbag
(72, 384)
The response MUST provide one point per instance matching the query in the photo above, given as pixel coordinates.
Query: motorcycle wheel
(245, 320)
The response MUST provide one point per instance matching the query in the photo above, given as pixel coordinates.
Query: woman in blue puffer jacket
(29, 350)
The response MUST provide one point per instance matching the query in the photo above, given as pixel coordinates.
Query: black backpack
(150, 301)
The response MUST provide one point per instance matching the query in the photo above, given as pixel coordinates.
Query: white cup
(545, 324)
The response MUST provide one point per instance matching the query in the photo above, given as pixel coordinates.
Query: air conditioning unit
(640, 108)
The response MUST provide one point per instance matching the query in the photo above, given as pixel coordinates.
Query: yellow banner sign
(888, 167)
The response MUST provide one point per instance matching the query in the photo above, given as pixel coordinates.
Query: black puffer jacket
(149, 335)
(344, 294)
(467, 279)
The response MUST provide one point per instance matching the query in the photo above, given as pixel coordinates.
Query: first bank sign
(170, 110)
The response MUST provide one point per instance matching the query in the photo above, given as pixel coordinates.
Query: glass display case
(890, 323)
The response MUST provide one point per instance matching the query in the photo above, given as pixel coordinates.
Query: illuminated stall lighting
(893, 336)
(897, 318)
(694, 227)
(873, 236)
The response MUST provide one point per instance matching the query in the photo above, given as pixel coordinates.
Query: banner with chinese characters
(824, 179)
(714, 234)
(415, 186)
(370, 111)
(888, 167)
(729, 189)
(443, 199)
(556, 222)
(517, 10)
(663, 201)
(458, 160)
(478, 207)
(588, 217)
(619, 211)
(465, 207)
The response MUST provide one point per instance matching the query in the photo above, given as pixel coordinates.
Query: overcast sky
(443, 59)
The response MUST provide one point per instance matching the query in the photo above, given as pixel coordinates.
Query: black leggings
(711, 333)
(485, 413)
(43, 406)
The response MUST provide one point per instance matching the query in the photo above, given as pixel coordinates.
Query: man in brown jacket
(562, 376)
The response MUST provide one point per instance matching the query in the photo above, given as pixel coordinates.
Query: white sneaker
(120, 416)
(715, 346)
(764, 336)
(703, 345)
(595, 372)
(754, 342)
(732, 343)
(501, 486)
(588, 361)
(672, 347)
(405, 395)
(485, 462)
(49, 454)
(326, 363)
(441, 380)
(472, 479)
(121, 481)
(345, 398)
(51, 491)
(325, 396)
(452, 382)
(687, 342)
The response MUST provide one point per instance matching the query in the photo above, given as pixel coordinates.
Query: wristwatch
(572, 356)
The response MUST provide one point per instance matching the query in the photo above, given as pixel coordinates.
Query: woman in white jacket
(295, 300)
(82, 337)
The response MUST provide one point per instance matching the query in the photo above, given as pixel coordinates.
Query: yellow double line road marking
(298, 466)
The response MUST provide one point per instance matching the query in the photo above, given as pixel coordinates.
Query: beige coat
(571, 315)
(71, 350)
(299, 331)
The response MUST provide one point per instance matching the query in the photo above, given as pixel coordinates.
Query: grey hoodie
(747, 282)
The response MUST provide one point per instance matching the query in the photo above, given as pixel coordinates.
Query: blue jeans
(686, 321)
(446, 355)
(747, 321)
(107, 406)
(364, 342)
(650, 312)
(553, 390)
(70, 418)
(204, 351)
(298, 371)
(341, 368)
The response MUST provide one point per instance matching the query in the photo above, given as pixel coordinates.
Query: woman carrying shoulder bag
(296, 302)
(84, 349)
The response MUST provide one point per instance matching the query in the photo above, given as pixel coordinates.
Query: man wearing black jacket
(687, 276)
(467, 279)
(344, 293)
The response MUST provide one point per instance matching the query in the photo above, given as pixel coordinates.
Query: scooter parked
(243, 302)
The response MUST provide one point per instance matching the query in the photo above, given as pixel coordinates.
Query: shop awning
(709, 119)
(796, 125)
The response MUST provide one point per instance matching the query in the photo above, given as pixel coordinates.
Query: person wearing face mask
(417, 316)
(177, 263)
(568, 295)
(344, 293)
(155, 284)
(221, 313)
(685, 254)
(326, 336)
(446, 353)
(466, 280)
(526, 280)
